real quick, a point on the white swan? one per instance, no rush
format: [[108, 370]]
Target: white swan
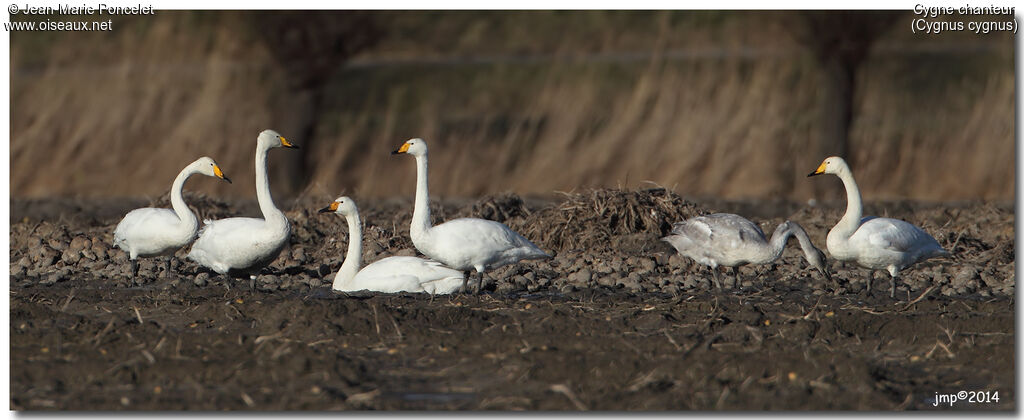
[[391, 274], [463, 244], [874, 242], [151, 232], [244, 245], [731, 241]]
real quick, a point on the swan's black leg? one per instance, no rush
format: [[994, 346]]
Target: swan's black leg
[[465, 281], [480, 283], [167, 268], [714, 272], [892, 286], [135, 268]]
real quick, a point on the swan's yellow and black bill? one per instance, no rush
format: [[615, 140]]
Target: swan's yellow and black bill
[[220, 174], [331, 208], [285, 143], [403, 149], [819, 171]]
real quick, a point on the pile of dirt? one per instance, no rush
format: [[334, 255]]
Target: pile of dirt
[[594, 220]]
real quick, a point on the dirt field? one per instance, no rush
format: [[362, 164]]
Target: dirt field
[[615, 321]]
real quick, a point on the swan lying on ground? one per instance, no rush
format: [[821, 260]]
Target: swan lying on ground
[[391, 274], [151, 232], [724, 239], [874, 242], [244, 245], [463, 244]]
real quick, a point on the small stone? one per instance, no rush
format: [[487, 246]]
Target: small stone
[[58, 245], [201, 279], [406, 252], [70, 257], [608, 281], [267, 283], [53, 278], [662, 259], [647, 264], [505, 287], [299, 254], [581, 278], [635, 277], [79, 243], [677, 260], [965, 274], [18, 270], [691, 282], [100, 248], [323, 270]]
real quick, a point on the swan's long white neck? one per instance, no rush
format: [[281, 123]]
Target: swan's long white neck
[[188, 219], [270, 212], [353, 257], [854, 208], [421, 208]]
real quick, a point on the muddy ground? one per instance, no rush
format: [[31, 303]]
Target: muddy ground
[[615, 321]]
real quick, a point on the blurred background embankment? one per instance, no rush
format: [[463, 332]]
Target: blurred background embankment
[[730, 104]]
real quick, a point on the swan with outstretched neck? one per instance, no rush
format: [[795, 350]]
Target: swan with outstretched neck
[[244, 245], [724, 239], [151, 232], [877, 243], [463, 244], [391, 274]]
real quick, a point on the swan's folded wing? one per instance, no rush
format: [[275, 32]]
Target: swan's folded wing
[[480, 234], [895, 235], [696, 230]]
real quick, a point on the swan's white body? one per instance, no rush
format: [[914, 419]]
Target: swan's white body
[[874, 242], [151, 232], [391, 274], [245, 244], [724, 239], [467, 243]]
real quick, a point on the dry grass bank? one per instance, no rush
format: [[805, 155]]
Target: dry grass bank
[[705, 103]]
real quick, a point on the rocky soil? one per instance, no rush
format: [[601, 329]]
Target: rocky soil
[[614, 321]]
